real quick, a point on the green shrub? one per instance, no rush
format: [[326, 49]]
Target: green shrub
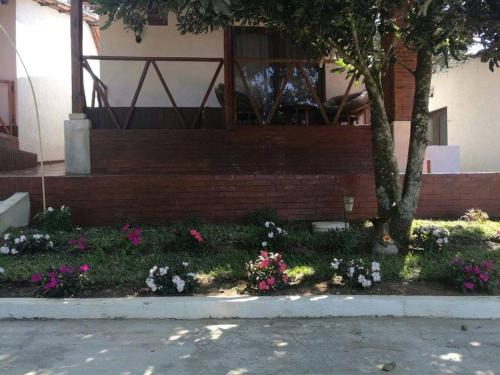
[[171, 280], [260, 216], [54, 220], [21, 243], [430, 237]]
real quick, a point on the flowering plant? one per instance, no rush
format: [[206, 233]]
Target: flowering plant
[[472, 276], [267, 272], [79, 244], [21, 243], [54, 220], [273, 237], [171, 280], [356, 272], [133, 235], [63, 281], [188, 238], [430, 237], [475, 214]]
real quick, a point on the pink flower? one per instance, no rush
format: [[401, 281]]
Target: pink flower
[[468, 268], [125, 228], [263, 263], [282, 267], [84, 267], [263, 286], [488, 265], [36, 278], [476, 270], [270, 281], [484, 277], [264, 254], [196, 235], [64, 269], [51, 284], [285, 278], [468, 285], [134, 236]]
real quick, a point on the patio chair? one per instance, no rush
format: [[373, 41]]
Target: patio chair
[[244, 111]]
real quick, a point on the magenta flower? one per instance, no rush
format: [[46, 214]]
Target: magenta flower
[[134, 237], [469, 285], [125, 228], [285, 278], [484, 277], [36, 278], [84, 267], [468, 268], [282, 267], [64, 269], [51, 284], [270, 281], [488, 265], [476, 270], [263, 286]]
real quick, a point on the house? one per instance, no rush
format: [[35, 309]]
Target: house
[[219, 124], [465, 111], [40, 30]]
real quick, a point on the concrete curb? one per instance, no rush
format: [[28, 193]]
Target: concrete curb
[[251, 307]]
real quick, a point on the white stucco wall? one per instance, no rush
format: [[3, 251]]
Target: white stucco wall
[[43, 39], [471, 94], [188, 81], [7, 55], [336, 83]]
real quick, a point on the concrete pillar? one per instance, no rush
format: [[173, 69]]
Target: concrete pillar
[[77, 144]]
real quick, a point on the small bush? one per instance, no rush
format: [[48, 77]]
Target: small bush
[[21, 243], [267, 273], [272, 237], [475, 214], [430, 238], [132, 235], [54, 220], [473, 276], [79, 244], [171, 280], [356, 273], [61, 282], [260, 216], [344, 241], [188, 238]]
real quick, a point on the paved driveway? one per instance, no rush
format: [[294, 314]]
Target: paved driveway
[[287, 346]]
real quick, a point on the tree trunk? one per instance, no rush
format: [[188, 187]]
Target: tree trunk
[[387, 182], [404, 212]]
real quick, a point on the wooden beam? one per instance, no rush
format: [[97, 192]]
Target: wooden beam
[[76, 25], [229, 103]]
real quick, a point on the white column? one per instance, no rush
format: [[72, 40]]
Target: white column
[[77, 144]]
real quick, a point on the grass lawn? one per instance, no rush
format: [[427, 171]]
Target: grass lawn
[[220, 262]]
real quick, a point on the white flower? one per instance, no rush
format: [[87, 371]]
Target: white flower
[[51, 244], [163, 270], [17, 240], [37, 236], [47, 236], [185, 264], [267, 224], [50, 209], [335, 264], [179, 283], [63, 208], [78, 228], [22, 238], [4, 250], [13, 251], [264, 244], [152, 271], [366, 283], [279, 230], [191, 274], [2, 270], [439, 241], [445, 240], [6, 236], [375, 266], [150, 282], [270, 235], [351, 272], [376, 276], [361, 279]]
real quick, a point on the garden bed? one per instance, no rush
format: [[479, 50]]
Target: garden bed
[[119, 268]]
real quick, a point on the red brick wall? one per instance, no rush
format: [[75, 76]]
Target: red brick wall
[[153, 199], [246, 150]]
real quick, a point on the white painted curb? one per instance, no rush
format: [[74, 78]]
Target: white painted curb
[[251, 307]]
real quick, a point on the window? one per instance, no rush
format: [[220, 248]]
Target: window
[[264, 77], [437, 129]]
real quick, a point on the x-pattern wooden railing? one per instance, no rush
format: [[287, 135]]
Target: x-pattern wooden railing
[[290, 65], [100, 91], [8, 126]]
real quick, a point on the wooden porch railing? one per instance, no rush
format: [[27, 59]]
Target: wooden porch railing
[[100, 91], [9, 126]]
